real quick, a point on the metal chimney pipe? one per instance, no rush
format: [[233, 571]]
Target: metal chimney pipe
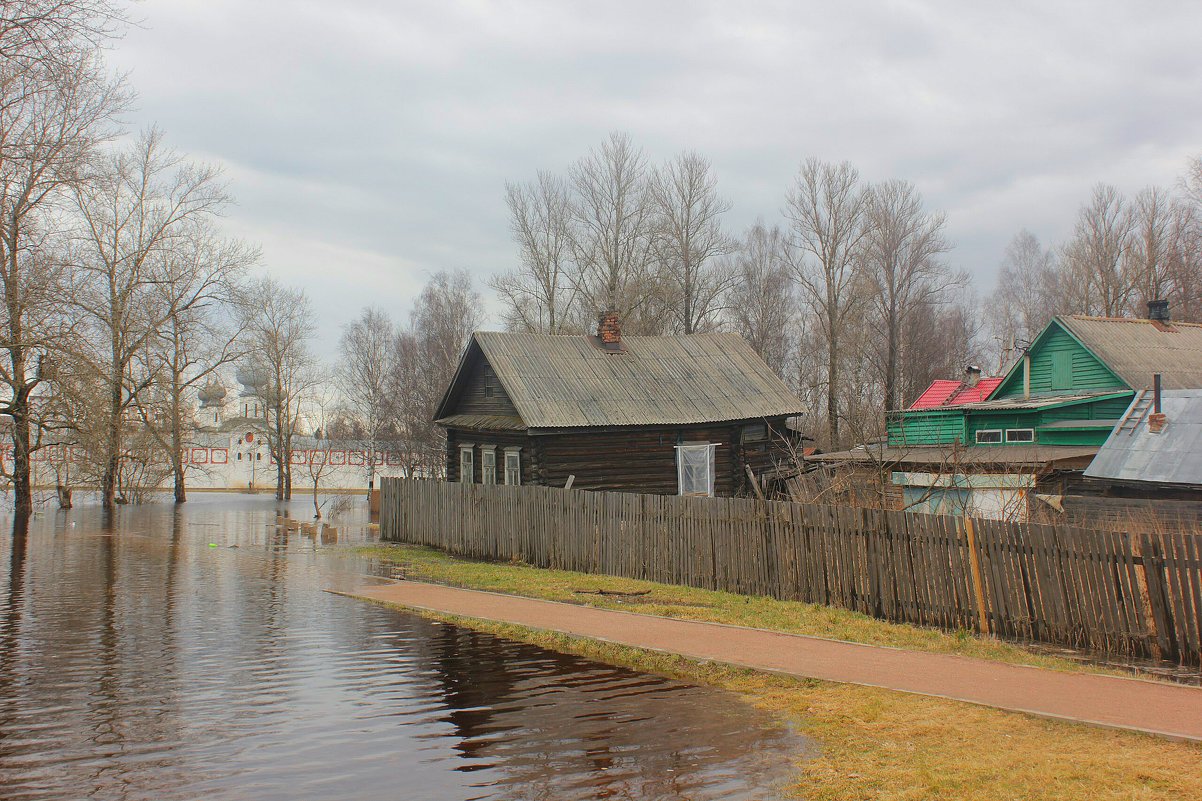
[[1156, 393]]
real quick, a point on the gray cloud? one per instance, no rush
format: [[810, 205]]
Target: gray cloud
[[368, 142]]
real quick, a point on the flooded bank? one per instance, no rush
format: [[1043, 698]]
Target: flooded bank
[[178, 655]]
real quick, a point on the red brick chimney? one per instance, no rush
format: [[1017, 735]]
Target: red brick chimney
[[608, 329]]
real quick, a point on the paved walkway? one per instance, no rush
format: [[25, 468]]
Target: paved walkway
[[1164, 709]]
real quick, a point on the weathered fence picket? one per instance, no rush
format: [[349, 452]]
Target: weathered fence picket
[[1129, 594]]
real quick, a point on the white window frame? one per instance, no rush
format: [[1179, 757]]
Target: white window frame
[[467, 464], [1001, 437], [683, 454], [513, 466], [488, 464], [1030, 431]]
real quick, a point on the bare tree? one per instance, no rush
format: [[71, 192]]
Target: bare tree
[[690, 242], [196, 341], [901, 254], [762, 305], [364, 375], [427, 355], [135, 273], [53, 114], [1026, 297], [1097, 281], [279, 325], [827, 207], [612, 244], [40, 32], [540, 296]]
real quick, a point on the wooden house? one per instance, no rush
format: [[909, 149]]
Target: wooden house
[[651, 414], [1036, 429]]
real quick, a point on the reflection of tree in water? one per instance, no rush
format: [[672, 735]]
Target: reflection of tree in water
[[558, 727]]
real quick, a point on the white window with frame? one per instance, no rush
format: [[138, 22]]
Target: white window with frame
[[1020, 435], [467, 474], [513, 466], [488, 464], [695, 469], [988, 436]]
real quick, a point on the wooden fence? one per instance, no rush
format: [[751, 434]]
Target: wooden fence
[[1136, 595]]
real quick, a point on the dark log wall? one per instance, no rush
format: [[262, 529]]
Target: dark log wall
[[639, 460], [632, 460], [475, 397], [499, 439]]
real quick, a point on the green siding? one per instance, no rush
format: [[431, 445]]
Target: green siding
[[1059, 363], [942, 427]]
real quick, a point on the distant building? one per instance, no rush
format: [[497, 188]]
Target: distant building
[[665, 415], [1037, 428]]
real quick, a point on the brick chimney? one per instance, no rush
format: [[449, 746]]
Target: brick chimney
[[972, 375], [1158, 311], [609, 331]]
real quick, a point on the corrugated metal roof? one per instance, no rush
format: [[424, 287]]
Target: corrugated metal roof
[[938, 393], [1034, 402], [946, 392], [1174, 456], [569, 381], [964, 458], [1135, 349]]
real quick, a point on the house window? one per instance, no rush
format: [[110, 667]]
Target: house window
[[755, 432], [239, 457], [488, 465], [1020, 435], [489, 382], [466, 473], [695, 469], [988, 436], [513, 466]]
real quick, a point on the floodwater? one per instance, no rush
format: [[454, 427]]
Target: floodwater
[[194, 654]]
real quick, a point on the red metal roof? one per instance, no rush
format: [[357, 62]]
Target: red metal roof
[[937, 394], [944, 392]]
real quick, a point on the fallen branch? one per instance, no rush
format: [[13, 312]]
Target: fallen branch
[[612, 592]]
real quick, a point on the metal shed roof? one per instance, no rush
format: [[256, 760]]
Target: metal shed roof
[[558, 381], [964, 458], [1174, 456], [1135, 349]]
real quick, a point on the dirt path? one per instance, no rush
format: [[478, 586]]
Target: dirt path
[[1163, 709]]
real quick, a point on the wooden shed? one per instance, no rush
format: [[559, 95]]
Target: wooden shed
[[663, 415]]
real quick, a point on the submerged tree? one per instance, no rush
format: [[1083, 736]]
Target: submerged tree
[[278, 327], [135, 273], [57, 105]]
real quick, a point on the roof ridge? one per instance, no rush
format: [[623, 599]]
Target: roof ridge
[[1099, 319]]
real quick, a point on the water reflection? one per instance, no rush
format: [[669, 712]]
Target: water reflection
[[191, 653]]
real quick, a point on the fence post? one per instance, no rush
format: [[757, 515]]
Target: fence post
[[978, 586], [1145, 597]]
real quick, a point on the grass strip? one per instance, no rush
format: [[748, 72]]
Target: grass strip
[[689, 603]]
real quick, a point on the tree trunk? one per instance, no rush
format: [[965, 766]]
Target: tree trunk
[[832, 388], [22, 484], [181, 492]]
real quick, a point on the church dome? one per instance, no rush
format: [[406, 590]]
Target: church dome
[[212, 393], [252, 377]]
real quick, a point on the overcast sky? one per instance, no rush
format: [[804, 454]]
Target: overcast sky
[[368, 142]]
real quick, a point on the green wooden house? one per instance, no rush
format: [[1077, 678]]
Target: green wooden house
[[1072, 386], [1040, 425]]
